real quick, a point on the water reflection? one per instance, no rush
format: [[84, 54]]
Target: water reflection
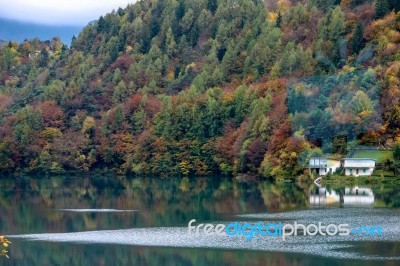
[[322, 197], [358, 196], [95, 210], [316, 245], [355, 196], [144, 206]]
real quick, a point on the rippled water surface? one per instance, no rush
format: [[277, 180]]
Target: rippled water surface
[[143, 221]]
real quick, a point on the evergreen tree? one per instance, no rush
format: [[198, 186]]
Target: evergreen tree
[[170, 43], [396, 153], [138, 121], [279, 20], [394, 5], [180, 11], [120, 12], [357, 2], [122, 41], [396, 157], [325, 4], [381, 8], [119, 118], [101, 24], [131, 14], [357, 42], [119, 92], [212, 5], [44, 58], [73, 40], [337, 24], [113, 50]]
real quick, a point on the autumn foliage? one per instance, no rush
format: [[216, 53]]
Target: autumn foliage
[[191, 87]]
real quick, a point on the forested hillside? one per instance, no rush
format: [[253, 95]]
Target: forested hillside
[[199, 87]]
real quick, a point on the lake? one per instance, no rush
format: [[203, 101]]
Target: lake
[[109, 220]]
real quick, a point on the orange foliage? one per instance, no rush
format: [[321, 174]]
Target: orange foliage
[[384, 27], [52, 115], [230, 144], [279, 110], [133, 103], [5, 101], [122, 143], [123, 62]]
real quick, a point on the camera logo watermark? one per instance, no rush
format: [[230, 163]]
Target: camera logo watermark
[[280, 229]]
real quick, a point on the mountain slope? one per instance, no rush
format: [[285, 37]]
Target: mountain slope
[[200, 87]]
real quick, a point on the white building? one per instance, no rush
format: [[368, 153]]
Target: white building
[[358, 167], [323, 166]]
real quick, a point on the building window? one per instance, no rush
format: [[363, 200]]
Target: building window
[[365, 171]]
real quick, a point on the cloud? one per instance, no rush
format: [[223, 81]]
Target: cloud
[[59, 12]]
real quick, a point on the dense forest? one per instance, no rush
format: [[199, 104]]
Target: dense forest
[[201, 87]]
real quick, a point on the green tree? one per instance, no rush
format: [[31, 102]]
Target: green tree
[[7, 162], [120, 92], [113, 48], [187, 21], [264, 53], [119, 118], [170, 43], [396, 157], [357, 42], [101, 24], [381, 8], [73, 40], [337, 24], [325, 4], [357, 2], [212, 5], [120, 11], [43, 58], [330, 37], [394, 5], [278, 22], [139, 121]]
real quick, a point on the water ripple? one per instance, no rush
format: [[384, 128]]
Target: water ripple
[[327, 246], [95, 210]]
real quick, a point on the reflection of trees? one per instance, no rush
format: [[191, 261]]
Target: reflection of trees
[[29, 205], [388, 195], [54, 254], [26, 206], [4, 243], [280, 196]]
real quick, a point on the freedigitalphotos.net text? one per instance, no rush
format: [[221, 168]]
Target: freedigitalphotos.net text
[[280, 229]]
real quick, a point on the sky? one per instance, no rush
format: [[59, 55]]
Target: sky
[[58, 12], [11, 30]]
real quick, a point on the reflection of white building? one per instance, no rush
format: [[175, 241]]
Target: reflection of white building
[[324, 197], [358, 167], [323, 166], [358, 196]]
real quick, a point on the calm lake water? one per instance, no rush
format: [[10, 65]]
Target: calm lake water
[[143, 221]]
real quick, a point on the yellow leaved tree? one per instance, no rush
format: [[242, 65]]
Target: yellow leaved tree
[[5, 243]]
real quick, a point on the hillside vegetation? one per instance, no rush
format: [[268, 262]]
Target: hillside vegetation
[[199, 87]]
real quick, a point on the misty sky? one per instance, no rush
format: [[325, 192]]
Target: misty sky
[[58, 12]]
